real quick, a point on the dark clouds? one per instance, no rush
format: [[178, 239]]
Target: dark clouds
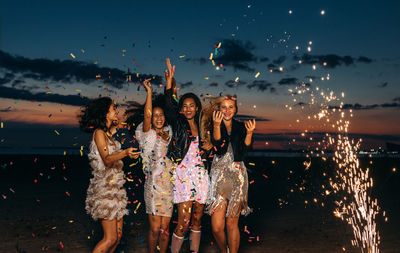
[[237, 54], [234, 53], [232, 83], [331, 60], [357, 106], [288, 81], [245, 117], [8, 109], [187, 84], [12, 93], [66, 71], [261, 85], [383, 85], [279, 60]]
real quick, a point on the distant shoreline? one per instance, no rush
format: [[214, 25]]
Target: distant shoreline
[[254, 153]]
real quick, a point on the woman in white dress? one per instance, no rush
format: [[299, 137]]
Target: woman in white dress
[[154, 137]]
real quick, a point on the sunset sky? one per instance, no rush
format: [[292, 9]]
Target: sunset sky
[[55, 55]]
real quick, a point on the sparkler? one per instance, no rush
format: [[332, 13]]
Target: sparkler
[[350, 183]]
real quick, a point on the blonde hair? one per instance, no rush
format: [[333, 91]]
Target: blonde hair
[[207, 114]]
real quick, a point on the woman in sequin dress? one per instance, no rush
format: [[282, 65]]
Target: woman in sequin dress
[[154, 137], [190, 177], [106, 198], [228, 189]]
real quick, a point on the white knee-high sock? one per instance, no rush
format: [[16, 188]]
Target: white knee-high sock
[[176, 243], [194, 238]]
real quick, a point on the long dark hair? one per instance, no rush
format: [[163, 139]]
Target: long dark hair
[[196, 101], [93, 115]]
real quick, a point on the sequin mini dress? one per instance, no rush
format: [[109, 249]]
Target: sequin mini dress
[[158, 171], [229, 185], [190, 177]]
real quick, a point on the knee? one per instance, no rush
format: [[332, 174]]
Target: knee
[[231, 225], [155, 230], [165, 229], [218, 228], [111, 241], [196, 220]]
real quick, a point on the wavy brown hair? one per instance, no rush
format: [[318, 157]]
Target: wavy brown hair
[[207, 114]]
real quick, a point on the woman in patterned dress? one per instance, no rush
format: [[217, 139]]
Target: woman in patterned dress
[[106, 198], [190, 177], [154, 136]]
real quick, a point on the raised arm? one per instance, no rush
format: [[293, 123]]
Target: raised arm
[[169, 74], [250, 126], [148, 108], [102, 147], [170, 96], [217, 119]]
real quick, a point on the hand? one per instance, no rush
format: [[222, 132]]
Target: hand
[[147, 86], [134, 155], [131, 152], [217, 118], [250, 125], [207, 145], [169, 74]]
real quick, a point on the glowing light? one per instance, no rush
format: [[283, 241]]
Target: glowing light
[[351, 185], [322, 12]]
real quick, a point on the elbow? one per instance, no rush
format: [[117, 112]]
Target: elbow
[[108, 162]]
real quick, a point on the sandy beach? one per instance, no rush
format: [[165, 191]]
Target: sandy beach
[[42, 208]]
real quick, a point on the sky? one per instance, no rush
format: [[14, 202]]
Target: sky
[[56, 55]]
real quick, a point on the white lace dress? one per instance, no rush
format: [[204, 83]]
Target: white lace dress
[[106, 198], [157, 169]]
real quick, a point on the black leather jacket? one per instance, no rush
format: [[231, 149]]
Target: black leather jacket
[[237, 137], [181, 134]]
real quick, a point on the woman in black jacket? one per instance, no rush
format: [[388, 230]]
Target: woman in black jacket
[[228, 190], [190, 177]]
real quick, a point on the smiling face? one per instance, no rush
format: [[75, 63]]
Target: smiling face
[[189, 108], [228, 109], [158, 118]]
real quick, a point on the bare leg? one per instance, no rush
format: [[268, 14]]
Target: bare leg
[[154, 232], [233, 231], [120, 224], [110, 236], [195, 233], [164, 234], [184, 214], [218, 226]]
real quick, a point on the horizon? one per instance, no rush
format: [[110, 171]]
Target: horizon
[[256, 50]]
